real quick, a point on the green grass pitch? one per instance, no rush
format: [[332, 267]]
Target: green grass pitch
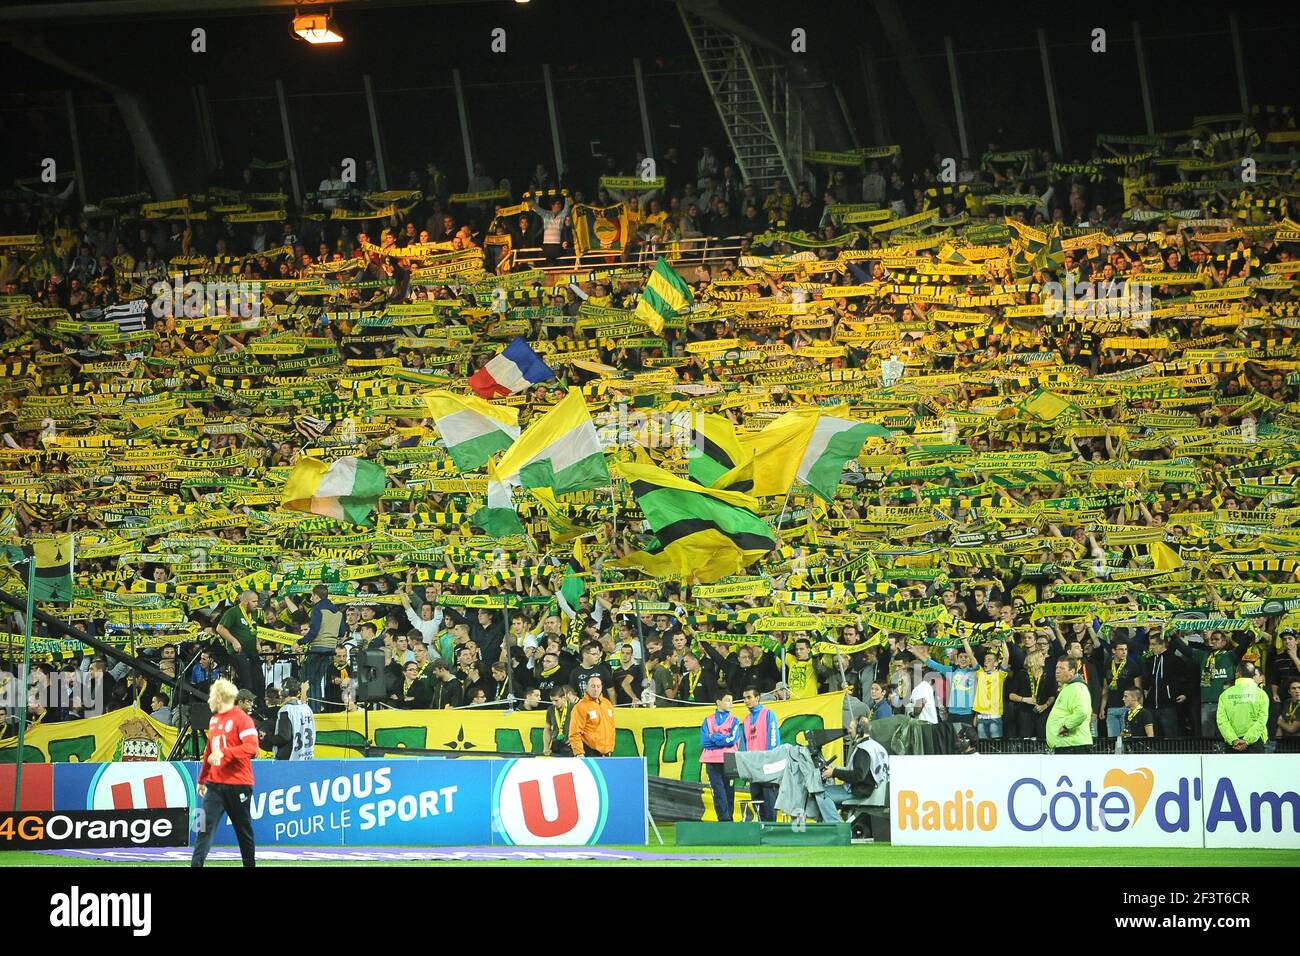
[[860, 855]]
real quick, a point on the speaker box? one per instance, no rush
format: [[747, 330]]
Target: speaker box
[[371, 685], [199, 716]]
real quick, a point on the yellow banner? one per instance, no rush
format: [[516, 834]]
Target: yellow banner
[[630, 182], [802, 622], [867, 215], [877, 152], [668, 737], [127, 732], [734, 589], [930, 215], [489, 195], [278, 637], [827, 158]]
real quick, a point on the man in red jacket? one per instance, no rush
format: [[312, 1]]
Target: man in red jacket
[[226, 777]]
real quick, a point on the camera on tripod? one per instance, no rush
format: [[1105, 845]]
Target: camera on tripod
[[817, 739]]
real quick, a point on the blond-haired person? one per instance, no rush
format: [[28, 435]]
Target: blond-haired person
[[226, 774]]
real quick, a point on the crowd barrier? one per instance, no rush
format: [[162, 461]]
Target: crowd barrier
[[1156, 800], [431, 801]]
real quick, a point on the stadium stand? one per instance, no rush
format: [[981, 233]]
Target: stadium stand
[[854, 436]]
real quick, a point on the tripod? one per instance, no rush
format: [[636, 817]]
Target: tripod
[[185, 727]]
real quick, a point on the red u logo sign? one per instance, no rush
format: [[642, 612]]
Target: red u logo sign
[[566, 806]]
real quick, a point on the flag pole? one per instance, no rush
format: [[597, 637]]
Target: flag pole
[[784, 505], [27, 667], [613, 504]]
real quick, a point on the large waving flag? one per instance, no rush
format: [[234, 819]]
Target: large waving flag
[[701, 532], [472, 429], [716, 457], [778, 451], [834, 441], [515, 369], [346, 488], [665, 294], [560, 451]]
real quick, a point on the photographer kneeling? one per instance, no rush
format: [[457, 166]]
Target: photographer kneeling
[[868, 767]]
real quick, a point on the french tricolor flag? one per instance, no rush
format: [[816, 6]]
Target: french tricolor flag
[[512, 371]]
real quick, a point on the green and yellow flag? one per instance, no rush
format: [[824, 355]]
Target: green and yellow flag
[[665, 295], [716, 454], [601, 228], [1046, 406], [563, 529], [700, 532], [53, 579]]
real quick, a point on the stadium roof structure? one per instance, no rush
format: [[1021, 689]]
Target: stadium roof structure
[[101, 10]]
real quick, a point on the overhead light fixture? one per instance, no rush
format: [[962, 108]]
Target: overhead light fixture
[[316, 28]]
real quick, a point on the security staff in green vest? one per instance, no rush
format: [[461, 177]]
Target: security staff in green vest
[[1243, 713], [1069, 727]]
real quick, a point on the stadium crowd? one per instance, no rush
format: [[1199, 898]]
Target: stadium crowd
[[1081, 378]]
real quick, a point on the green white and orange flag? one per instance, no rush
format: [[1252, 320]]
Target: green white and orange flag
[[498, 518], [346, 488], [560, 451], [472, 429], [834, 441]]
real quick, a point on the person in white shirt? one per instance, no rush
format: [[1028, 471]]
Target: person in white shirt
[[626, 636], [275, 670], [295, 725], [350, 634], [873, 185], [708, 192], [521, 634], [706, 167], [552, 227], [428, 622], [332, 184], [920, 703]]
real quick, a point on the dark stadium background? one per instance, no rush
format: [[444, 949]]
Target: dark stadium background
[[410, 50]]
